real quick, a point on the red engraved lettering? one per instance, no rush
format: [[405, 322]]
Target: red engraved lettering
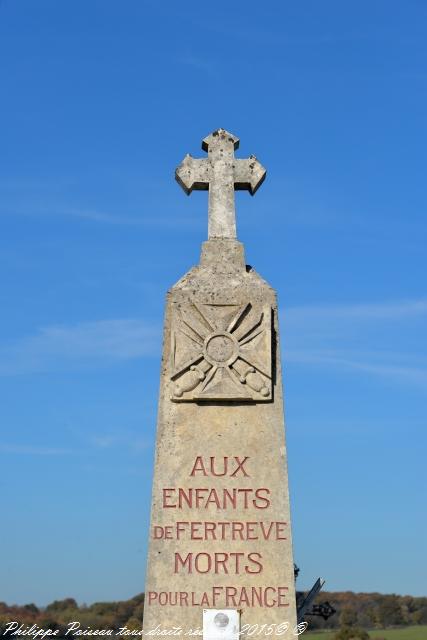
[[239, 467], [181, 528], [186, 564], [199, 560], [221, 560], [244, 598], [167, 496], [237, 557], [216, 592], [280, 530], [184, 496], [266, 532], [260, 501], [224, 469], [199, 496], [198, 466], [282, 594], [245, 493], [230, 597], [232, 497], [213, 499], [254, 559], [237, 528], [194, 529], [269, 603]]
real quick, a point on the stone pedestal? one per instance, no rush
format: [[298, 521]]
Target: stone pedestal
[[220, 535]]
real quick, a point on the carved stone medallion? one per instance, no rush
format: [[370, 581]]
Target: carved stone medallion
[[221, 352]]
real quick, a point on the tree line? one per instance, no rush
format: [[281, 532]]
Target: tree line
[[370, 610], [361, 610]]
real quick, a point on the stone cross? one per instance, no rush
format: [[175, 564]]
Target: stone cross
[[222, 174], [220, 550]]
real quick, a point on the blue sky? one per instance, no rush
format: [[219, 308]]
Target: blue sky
[[100, 101]]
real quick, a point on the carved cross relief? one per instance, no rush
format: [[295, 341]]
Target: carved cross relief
[[221, 352]]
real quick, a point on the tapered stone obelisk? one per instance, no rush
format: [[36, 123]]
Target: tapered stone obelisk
[[220, 534]]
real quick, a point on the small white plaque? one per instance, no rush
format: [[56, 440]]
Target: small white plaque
[[221, 624]]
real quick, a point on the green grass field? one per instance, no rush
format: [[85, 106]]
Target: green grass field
[[406, 633]]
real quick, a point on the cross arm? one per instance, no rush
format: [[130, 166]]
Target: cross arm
[[249, 174], [193, 174]]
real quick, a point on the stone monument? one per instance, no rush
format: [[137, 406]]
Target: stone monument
[[220, 534]]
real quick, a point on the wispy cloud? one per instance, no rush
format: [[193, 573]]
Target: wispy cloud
[[280, 38], [121, 439], [105, 441], [371, 338], [378, 364], [141, 220], [197, 62], [374, 338], [97, 216], [364, 312], [104, 217], [87, 343], [277, 37], [21, 449]]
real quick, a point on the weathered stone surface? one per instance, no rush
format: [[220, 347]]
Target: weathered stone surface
[[220, 534], [221, 351], [222, 174]]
